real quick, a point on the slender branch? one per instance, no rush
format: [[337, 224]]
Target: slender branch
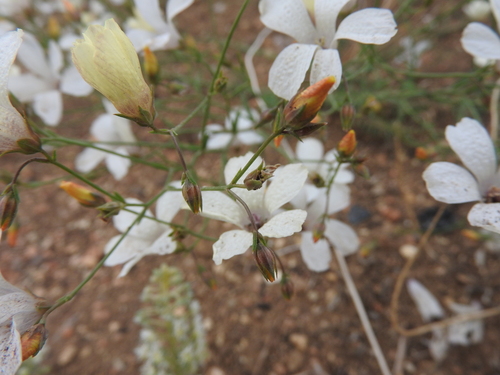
[[245, 206], [495, 96], [33, 160]]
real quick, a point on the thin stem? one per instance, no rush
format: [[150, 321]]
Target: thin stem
[[37, 160], [495, 96], [191, 115], [247, 209], [179, 151], [363, 316]]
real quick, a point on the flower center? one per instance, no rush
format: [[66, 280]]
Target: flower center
[[493, 195], [259, 222]]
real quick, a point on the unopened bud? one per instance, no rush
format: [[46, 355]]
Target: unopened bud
[[278, 139], [8, 207], [220, 83], [266, 260], [361, 170], [347, 144], [347, 113], [191, 193], [32, 340], [151, 67], [308, 129], [421, 153], [254, 180], [304, 106], [109, 209], [53, 27], [83, 195], [287, 288], [30, 145], [318, 232], [12, 233], [372, 104]]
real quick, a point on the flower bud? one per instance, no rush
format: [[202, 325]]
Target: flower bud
[[32, 340], [287, 288], [151, 66], [304, 106], [372, 104], [347, 144], [421, 153], [12, 233], [277, 140], [83, 195], [220, 83], [8, 207], [254, 180], [318, 232], [191, 193], [266, 260], [308, 129], [347, 113], [53, 27], [107, 60], [109, 209]]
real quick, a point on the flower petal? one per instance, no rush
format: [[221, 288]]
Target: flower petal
[[495, 7], [339, 199], [129, 248], [234, 165], [49, 106], [249, 137], [285, 185], [486, 215], [342, 236], [117, 165], [465, 333], [26, 86], [481, 41], [174, 7], [310, 152], [10, 347], [316, 255], [32, 56], [288, 17], [163, 245], [73, 84], [88, 159], [170, 203], [151, 13], [326, 13], [289, 69], [284, 224], [471, 142], [450, 183], [428, 306], [231, 243], [368, 26], [146, 229], [218, 141], [218, 206], [326, 63]]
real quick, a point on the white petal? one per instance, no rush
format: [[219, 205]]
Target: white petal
[[166, 40], [495, 7], [147, 228], [103, 129], [471, 142], [486, 215], [10, 348], [218, 206], [231, 243], [128, 266], [339, 199], [129, 248], [169, 204], [49, 106], [72, 83], [32, 56], [310, 152], [428, 306], [10, 43], [218, 141], [241, 118], [284, 224], [317, 255], [117, 165], [342, 236], [249, 137], [285, 185], [26, 86], [326, 13], [151, 12], [163, 245], [438, 345], [140, 38], [368, 26], [88, 159], [288, 17], [174, 7], [326, 63], [235, 164], [289, 69], [481, 41], [55, 58], [66, 40], [450, 183], [466, 333]]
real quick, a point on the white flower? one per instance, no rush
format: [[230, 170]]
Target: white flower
[[412, 51], [10, 347], [317, 43], [148, 236], [237, 129], [477, 9], [480, 40], [263, 203], [44, 84], [450, 183], [108, 128], [317, 255], [150, 29]]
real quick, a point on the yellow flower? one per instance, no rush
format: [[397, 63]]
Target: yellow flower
[[15, 134], [107, 60]]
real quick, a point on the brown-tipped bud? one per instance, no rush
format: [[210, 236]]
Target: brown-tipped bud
[[347, 144], [372, 104], [254, 180], [53, 27], [361, 170], [287, 288], [12, 234], [220, 83], [278, 139], [304, 106], [32, 340], [318, 232], [308, 129], [8, 207], [109, 209], [151, 67], [192, 194], [347, 113], [266, 260], [421, 153], [83, 195]]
